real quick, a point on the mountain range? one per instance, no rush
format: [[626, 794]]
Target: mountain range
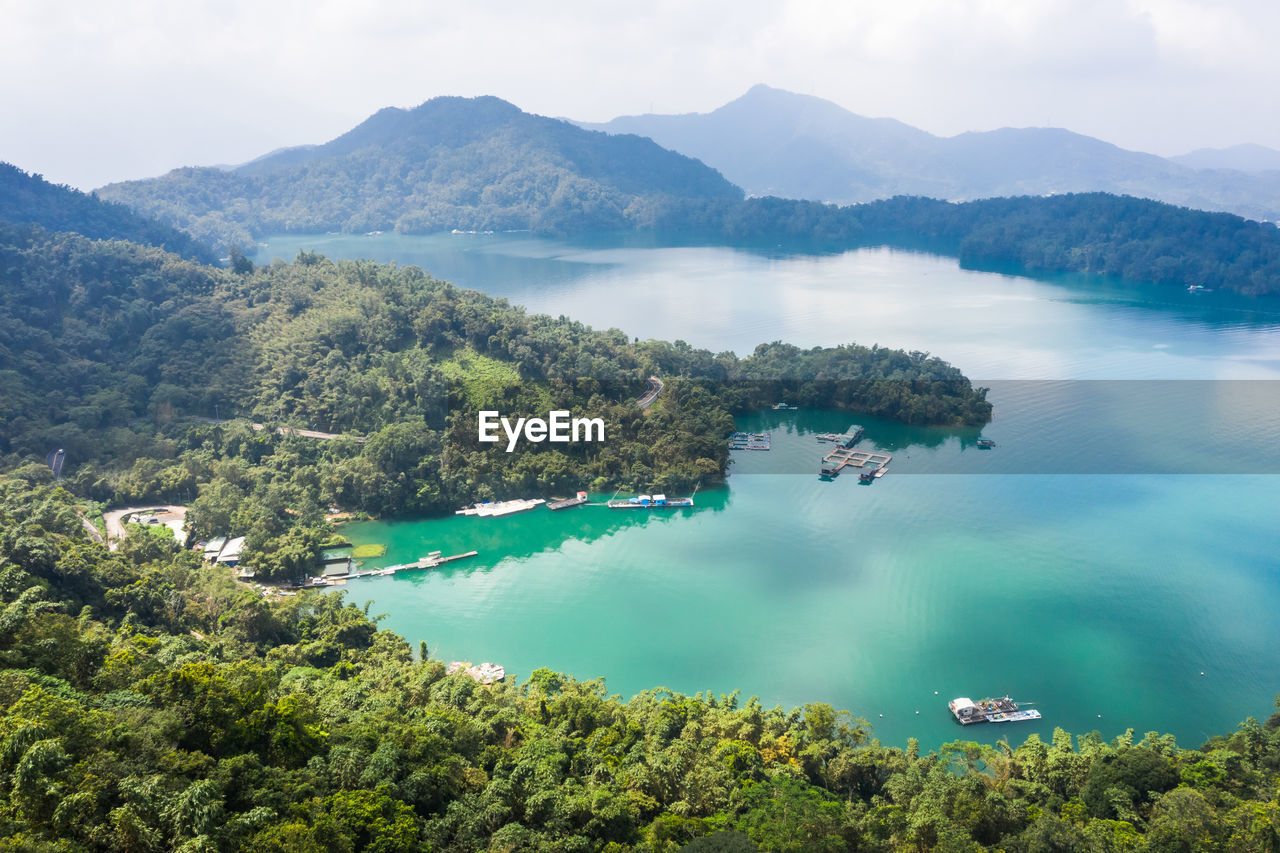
[[774, 142], [483, 164], [465, 163]]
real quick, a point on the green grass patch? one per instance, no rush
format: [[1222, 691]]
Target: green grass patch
[[483, 380], [363, 551]]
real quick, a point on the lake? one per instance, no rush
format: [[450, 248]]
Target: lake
[[1119, 541]]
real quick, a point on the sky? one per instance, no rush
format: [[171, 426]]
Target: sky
[[95, 91]]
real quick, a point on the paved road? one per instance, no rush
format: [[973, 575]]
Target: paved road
[[93, 532], [173, 517], [287, 430], [655, 388]]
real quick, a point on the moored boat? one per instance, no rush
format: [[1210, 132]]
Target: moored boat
[[577, 500], [997, 710], [497, 509]]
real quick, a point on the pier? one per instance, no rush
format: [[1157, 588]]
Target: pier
[[432, 561], [845, 439]]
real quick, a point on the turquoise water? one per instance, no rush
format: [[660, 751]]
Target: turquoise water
[[1119, 541]]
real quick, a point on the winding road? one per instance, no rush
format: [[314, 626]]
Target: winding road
[[655, 388], [288, 430], [172, 516]]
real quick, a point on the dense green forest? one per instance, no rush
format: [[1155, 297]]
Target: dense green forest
[[468, 163], [1128, 238], [148, 702], [122, 354], [26, 198], [1118, 236]]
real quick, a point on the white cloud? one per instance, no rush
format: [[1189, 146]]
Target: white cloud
[[98, 91]]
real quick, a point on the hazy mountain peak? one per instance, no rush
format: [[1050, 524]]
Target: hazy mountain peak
[[1246, 157], [773, 142], [450, 162]]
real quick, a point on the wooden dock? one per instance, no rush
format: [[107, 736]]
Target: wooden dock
[[845, 439], [434, 560]]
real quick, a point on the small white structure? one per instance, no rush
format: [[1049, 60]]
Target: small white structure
[[484, 673]]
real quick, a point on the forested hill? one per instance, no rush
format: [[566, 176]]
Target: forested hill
[[482, 164], [27, 198], [113, 351], [148, 702], [467, 163], [1135, 239]]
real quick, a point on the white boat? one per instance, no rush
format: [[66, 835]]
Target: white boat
[[497, 509], [998, 710], [1014, 716]]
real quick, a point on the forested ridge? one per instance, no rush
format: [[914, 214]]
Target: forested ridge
[[467, 163], [121, 354], [1137, 240], [482, 164], [30, 199], [148, 702]]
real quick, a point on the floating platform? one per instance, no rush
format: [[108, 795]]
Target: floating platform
[[998, 710], [497, 509], [750, 441], [433, 560], [845, 439], [842, 457], [651, 502], [566, 503]]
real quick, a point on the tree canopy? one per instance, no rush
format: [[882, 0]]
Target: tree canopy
[[148, 702]]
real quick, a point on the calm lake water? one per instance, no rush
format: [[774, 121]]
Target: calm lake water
[[1119, 541]]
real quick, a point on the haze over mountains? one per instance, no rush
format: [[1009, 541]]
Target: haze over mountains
[[773, 142], [1245, 158], [468, 163]]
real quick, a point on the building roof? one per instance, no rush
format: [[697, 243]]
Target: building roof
[[336, 569], [214, 547], [231, 551]]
